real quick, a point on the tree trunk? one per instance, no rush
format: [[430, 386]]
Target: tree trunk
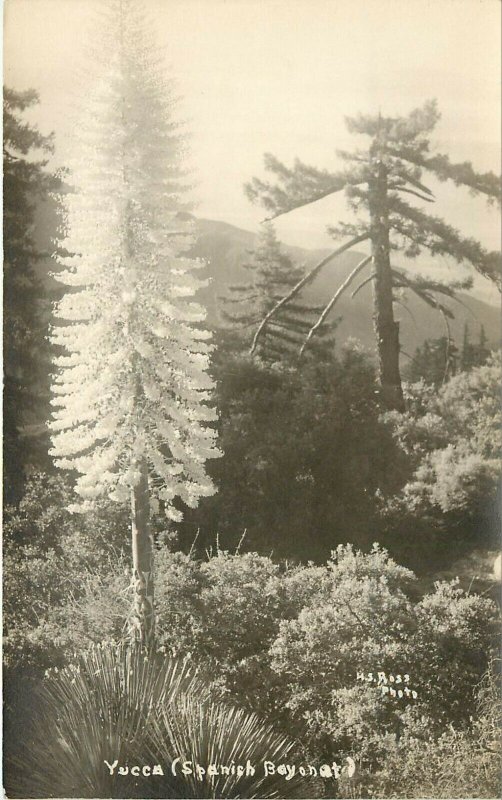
[[142, 623], [386, 328]]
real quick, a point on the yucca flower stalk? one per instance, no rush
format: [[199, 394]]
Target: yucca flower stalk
[[131, 387]]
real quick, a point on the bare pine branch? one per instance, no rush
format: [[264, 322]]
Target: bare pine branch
[[303, 282], [362, 285], [333, 300]]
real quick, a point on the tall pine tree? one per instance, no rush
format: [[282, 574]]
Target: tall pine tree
[[26, 181], [474, 354], [131, 388], [272, 274], [374, 183]]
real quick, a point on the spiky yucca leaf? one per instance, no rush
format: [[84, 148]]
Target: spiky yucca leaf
[[118, 703], [99, 708], [211, 733]]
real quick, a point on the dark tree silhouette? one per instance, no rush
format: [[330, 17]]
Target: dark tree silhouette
[[272, 273], [25, 351]]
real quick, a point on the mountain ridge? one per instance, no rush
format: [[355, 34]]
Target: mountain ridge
[[226, 248]]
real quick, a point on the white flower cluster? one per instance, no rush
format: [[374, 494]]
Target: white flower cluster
[[132, 382]]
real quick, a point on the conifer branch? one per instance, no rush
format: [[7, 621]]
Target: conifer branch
[[362, 285], [361, 156], [430, 284], [411, 191], [343, 229], [405, 174], [457, 299], [304, 202], [398, 129], [303, 282], [486, 183], [241, 326], [333, 300], [297, 187], [423, 290], [440, 238], [284, 334]]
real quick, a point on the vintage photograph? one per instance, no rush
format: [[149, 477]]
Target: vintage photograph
[[251, 404]]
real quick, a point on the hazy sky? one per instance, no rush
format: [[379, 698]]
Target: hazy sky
[[280, 75]]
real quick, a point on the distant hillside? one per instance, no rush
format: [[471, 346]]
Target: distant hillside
[[226, 248]]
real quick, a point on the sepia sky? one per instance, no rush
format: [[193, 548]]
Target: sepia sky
[[280, 76]]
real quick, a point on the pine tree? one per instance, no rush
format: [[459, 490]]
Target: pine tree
[[474, 355], [131, 389], [374, 183], [272, 274], [25, 180], [435, 361]]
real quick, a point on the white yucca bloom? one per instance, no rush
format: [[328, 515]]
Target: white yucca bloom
[[131, 384]]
